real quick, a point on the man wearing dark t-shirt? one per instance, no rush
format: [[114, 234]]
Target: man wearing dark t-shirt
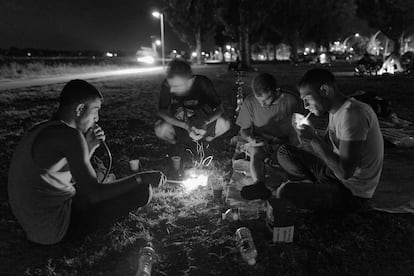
[[189, 107]]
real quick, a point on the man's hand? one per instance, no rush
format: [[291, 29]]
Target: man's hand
[[306, 133], [94, 136], [256, 141], [196, 134]]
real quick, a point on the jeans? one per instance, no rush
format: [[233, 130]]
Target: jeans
[[87, 220], [314, 186]]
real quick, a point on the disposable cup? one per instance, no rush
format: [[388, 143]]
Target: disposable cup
[[134, 165], [176, 162]]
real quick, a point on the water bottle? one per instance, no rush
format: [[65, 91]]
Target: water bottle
[[246, 245], [231, 214], [241, 213], [145, 261]]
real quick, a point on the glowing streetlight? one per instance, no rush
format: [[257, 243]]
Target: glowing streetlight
[[159, 15], [158, 42], [228, 47]]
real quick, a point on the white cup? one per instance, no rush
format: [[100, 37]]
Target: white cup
[[134, 165], [176, 162]]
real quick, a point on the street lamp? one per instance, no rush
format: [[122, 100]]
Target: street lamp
[[159, 15]]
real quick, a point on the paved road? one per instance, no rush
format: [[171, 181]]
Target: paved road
[[13, 84]]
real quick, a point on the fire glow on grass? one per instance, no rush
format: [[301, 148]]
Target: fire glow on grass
[[197, 176], [194, 180]]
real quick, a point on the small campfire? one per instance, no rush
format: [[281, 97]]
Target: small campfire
[[197, 175], [195, 178]]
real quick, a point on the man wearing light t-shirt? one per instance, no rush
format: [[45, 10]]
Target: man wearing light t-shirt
[[342, 171]]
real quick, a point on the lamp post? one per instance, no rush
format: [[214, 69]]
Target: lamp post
[[159, 15]]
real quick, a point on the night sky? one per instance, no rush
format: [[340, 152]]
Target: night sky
[[81, 25]]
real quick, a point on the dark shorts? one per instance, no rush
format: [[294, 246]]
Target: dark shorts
[[90, 218], [323, 190]]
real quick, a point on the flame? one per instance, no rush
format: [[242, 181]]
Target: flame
[[300, 120], [195, 180]]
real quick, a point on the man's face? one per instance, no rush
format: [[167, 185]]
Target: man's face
[[179, 85], [265, 100], [313, 100], [89, 115]]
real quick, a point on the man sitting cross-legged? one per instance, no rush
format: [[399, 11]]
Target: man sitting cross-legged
[[342, 171], [265, 121], [189, 107], [52, 186]]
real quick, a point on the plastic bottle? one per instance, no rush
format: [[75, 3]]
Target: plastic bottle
[[246, 245], [240, 213], [231, 214], [146, 259]]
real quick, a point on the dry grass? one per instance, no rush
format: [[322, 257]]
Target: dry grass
[[35, 69], [186, 229]]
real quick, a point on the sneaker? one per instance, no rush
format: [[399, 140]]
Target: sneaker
[[154, 178], [257, 190]]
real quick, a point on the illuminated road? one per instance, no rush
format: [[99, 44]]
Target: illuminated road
[[13, 84]]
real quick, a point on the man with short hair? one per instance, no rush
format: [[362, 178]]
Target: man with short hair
[[265, 122], [53, 189], [342, 171], [189, 107]]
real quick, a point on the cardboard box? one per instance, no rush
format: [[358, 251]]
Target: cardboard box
[[282, 228]]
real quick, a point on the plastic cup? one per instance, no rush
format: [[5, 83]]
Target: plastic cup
[[134, 165], [176, 162]]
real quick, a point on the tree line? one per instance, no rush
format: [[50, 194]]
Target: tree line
[[289, 21]]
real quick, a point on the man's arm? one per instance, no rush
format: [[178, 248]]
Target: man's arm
[[164, 105], [163, 113], [344, 164], [75, 149]]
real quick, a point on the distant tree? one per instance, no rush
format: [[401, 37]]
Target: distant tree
[[297, 20], [241, 19], [392, 17], [191, 20], [336, 16], [267, 39]]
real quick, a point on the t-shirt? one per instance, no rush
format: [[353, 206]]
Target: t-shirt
[[356, 121], [40, 199], [201, 97], [274, 120]]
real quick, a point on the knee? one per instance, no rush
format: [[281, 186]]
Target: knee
[[222, 125], [285, 190], [164, 130]]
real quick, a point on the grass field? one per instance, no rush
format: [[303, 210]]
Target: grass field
[[186, 229], [29, 68]]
